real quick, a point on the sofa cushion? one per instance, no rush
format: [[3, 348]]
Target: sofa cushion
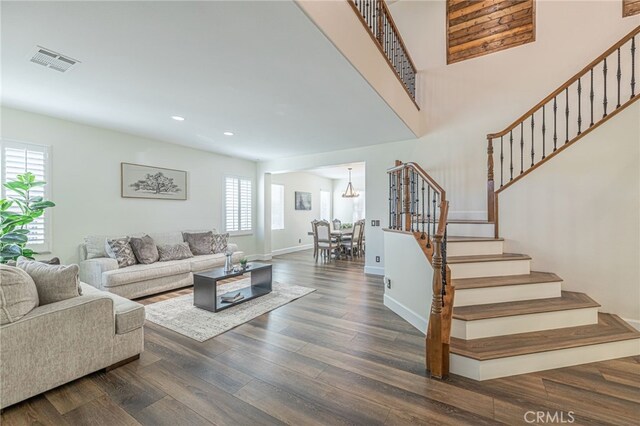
[[174, 252], [200, 242], [220, 242], [208, 261], [142, 272], [18, 294], [144, 249], [53, 282], [129, 314], [120, 250]]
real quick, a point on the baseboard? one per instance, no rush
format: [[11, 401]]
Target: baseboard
[[633, 323], [374, 270], [294, 249], [405, 313]]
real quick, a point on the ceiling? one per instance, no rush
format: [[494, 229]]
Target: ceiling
[[340, 171], [261, 70]]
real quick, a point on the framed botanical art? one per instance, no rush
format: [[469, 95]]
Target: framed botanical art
[[303, 200], [140, 181]]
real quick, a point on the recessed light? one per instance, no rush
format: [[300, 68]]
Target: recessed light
[[228, 133], [177, 118]]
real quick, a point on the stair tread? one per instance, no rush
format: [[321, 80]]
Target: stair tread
[[463, 239], [487, 258], [610, 328], [473, 221], [568, 301], [532, 278]]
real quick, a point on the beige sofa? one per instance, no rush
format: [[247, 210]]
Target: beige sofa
[[142, 280], [63, 341]]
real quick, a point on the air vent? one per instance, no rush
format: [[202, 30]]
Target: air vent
[[50, 59]]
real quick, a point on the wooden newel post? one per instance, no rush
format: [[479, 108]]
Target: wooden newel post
[[491, 212], [436, 362]]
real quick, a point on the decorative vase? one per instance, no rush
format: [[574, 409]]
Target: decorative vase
[[228, 264]]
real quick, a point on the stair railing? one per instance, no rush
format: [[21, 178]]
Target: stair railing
[[376, 17], [418, 204], [588, 99]]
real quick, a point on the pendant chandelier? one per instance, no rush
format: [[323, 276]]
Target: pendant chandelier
[[350, 192]]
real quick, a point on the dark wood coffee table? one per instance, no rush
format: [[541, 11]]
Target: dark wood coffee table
[[205, 286]]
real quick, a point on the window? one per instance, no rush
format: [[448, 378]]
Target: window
[[277, 206], [18, 158], [325, 205], [238, 208]]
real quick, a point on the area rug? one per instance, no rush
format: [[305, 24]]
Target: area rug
[[179, 314]]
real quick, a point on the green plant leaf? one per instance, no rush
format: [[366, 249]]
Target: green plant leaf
[[35, 199], [28, 253], [5, 205], [38, 183], [41, 205], [17, 186], [14, 238], [21, 231], [11, 251]]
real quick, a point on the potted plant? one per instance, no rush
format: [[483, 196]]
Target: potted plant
[[243, 262], [16, 213]]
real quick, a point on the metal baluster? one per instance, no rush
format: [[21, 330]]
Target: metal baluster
[[532, 139], [390, 192], [428, 216], [435, 196], [443, 253], [579, 105], [501, 160], [400, 198], [412, 197], [544, 129], [633, 66], [422, 215], [555, 132], [591, 98], [566, 115], [604, 73], [618, 76], [521, 147], [511, 152]]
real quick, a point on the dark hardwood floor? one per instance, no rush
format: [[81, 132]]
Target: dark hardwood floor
[[336, 356]]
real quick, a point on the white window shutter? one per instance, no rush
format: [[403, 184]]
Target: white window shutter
[[238, 205], [19, 158]]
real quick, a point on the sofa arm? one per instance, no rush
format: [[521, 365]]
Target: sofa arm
[[233, 247], [91, 270], [54, 344]]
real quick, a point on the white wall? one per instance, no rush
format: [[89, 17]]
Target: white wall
[[411, 276], [579, 215], [297, 223], [85, 181], [345, 209]]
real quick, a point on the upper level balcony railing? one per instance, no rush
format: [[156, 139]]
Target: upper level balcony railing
[[375, 16]]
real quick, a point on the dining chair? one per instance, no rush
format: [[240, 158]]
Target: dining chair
[[361, 244], [337, 224], [315, 238], [326, 244], [353, 243]]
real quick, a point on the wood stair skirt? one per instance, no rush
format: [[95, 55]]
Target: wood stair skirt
[[509, 320]]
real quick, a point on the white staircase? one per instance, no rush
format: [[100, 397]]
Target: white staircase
[[509, 320]]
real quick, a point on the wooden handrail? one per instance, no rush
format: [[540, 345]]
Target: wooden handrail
[[413, 209], [568, 83], [614, 74], [376, 17]]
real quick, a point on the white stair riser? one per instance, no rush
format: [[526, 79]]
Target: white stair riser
[[471, 229], [490, 269], [507, 293], [515, 324], [475, 248], [521, 364]]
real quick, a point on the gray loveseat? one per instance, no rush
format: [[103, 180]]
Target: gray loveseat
[[142, 280], [63, 341]]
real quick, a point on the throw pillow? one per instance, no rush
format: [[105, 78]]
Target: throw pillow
[[95, 246], [53, 282], [174, 252], [144, 249], [120, 250], [220, 242], [18, 294], [200, 243]]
